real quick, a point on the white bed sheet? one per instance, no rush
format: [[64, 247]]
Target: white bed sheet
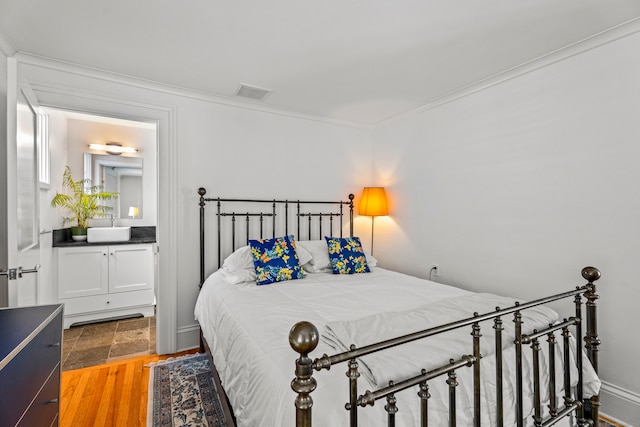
[[247, 328]]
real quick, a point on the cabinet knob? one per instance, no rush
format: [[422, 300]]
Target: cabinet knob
[[57, 344], [108, 302], [53, 401]]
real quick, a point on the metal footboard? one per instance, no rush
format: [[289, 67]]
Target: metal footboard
[[304, 338]]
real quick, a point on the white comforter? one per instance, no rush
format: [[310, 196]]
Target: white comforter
[[247, 328]]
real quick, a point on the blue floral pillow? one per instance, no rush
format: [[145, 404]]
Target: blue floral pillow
[[275, 260], [346, 255]]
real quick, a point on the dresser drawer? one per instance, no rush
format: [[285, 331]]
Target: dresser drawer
[[97, 303], [24, 376], [45, 407]]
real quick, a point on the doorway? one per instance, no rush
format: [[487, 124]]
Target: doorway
[[117, 102], [85, 143]]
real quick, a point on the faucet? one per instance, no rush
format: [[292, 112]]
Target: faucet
[[113, 220]]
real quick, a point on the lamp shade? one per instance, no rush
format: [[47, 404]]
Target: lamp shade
[[373, 202]]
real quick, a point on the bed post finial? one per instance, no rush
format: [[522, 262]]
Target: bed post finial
[[303, 338], [591, 274], [592, 342]]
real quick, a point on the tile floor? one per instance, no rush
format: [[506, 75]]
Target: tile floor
[[106, 342]]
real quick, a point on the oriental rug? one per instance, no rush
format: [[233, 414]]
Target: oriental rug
[[182, 392]]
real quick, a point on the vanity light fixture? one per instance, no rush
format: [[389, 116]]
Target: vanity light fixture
[[373, 203], [113, 148]]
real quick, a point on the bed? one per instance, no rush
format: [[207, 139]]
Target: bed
[[415, 352]]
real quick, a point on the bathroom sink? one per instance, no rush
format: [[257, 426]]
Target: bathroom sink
[[108, 234]]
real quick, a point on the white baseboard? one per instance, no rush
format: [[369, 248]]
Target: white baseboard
[[188, 337], [620, 405]]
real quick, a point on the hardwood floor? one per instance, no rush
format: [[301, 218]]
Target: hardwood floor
[[112, 394], [116, 394]]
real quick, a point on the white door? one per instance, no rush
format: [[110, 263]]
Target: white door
[[22, 194]]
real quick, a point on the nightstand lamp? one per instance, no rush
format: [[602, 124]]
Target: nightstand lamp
[[373, 203], [133, 212]]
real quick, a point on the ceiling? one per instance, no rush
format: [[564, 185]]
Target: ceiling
[[357, 61]]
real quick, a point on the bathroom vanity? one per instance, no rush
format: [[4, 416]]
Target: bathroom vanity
[[107, 280]]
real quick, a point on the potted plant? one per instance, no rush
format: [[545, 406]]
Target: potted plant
[[83, 200]]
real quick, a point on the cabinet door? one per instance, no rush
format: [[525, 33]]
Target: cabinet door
[[130, 268], [83, 271]]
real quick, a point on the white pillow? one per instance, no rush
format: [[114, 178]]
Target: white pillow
[[371, 261], [238, 276], [239, 259], [238, 267], [319, 252], [309, 268]]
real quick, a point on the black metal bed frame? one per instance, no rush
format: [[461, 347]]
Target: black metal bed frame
[[278, 208], [304, 336]]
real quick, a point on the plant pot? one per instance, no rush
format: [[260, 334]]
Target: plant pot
[[79, 234]]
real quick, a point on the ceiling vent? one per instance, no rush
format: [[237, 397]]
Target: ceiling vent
[[253, 92]]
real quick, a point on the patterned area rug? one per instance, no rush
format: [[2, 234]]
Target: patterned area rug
[[182, 393]]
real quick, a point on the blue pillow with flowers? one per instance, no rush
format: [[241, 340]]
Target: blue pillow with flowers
[[346, 255], [275, 260]]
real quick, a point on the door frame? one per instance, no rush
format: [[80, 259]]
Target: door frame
[[4, 249], [166, 228]]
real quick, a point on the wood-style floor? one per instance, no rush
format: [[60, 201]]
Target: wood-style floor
[[112, 394], [116, 394]]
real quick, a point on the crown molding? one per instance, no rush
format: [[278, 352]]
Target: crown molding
[[608, 36], [6, 45], [592, 42], [108, 76]]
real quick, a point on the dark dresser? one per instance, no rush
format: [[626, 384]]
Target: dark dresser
[[30, 353]]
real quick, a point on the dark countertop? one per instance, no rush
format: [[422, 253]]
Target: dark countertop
[[62, 238]]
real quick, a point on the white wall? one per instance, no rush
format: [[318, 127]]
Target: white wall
[[236, 152], [515, 188], [230, 150]]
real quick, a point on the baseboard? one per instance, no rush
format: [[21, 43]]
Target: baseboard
[[620, 404], [610, 420], [188, 337]]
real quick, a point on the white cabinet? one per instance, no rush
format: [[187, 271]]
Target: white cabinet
[[101, 282]]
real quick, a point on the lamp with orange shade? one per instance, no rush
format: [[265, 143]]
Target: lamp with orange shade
[[373, 203]]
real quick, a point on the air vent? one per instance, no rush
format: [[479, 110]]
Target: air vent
[[253, 92]]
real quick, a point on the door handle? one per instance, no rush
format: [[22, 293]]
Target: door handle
[[11, 273], [31, 270], [16, 273]]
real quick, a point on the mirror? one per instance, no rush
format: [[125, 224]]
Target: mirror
[[119, 174]]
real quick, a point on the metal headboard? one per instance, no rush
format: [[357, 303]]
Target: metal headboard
[[263, 218]]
